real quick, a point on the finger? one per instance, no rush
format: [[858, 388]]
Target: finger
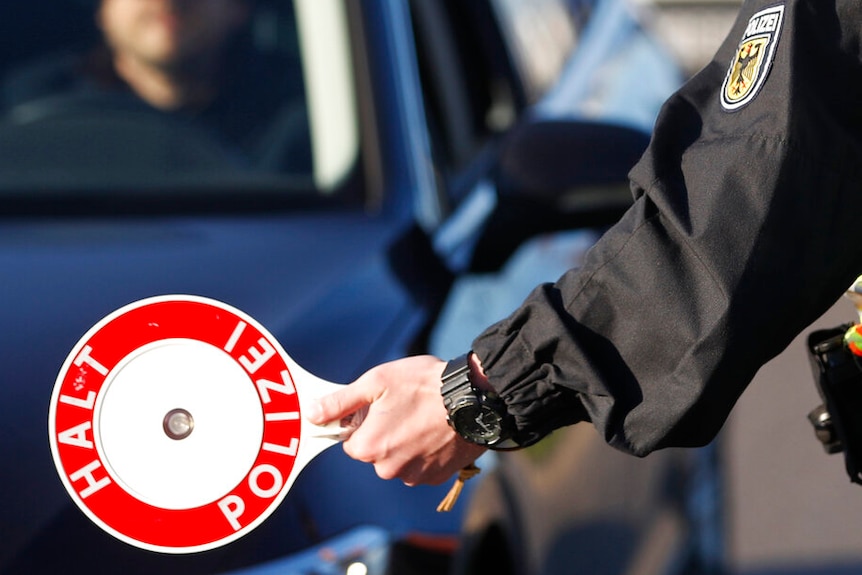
[[337, 405]]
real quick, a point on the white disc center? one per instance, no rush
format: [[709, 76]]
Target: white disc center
[[179, 423]]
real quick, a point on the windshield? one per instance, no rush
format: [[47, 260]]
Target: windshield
[[122, 97]]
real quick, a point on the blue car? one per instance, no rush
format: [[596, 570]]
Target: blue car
[[372, 165]]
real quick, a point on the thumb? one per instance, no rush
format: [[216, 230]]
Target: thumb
[[337, 405]]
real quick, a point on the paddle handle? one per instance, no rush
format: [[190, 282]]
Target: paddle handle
[[342, 429]]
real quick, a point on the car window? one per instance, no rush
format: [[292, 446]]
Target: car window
[[469, 88], [482, 62], [541, 35], [276, 111]]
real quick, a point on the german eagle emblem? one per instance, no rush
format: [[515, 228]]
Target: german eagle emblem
[[750, 65]]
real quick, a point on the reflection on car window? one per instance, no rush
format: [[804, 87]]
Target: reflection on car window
[[542, 35], [156, 92]]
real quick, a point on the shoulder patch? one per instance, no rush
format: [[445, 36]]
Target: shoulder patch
[[753, 58]]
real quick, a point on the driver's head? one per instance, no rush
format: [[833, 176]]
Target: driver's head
[[170, 34]]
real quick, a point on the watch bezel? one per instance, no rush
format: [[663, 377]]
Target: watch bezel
[[467, 416]]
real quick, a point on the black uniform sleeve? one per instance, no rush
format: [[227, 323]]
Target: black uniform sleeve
[[743, 231]]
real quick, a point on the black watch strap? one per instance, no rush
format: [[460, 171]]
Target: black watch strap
[[455, 379]]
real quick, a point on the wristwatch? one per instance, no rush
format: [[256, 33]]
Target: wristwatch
[[478, 416]]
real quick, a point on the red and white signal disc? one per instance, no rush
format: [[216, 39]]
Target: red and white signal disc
[[175, 424]]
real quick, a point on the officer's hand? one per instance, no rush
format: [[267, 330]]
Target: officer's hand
[[404, 434]]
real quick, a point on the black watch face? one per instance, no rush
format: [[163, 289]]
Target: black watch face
[[477, 423]]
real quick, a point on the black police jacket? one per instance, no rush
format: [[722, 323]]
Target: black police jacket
[[745, 228]]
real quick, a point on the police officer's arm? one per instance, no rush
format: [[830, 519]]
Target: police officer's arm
[[744, 230]]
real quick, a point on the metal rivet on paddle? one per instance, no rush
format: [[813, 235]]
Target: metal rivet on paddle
[[178, 424]]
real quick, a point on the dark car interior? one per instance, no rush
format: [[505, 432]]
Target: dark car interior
[[57, 134]]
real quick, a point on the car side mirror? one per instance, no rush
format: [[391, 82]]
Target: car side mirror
[[554, 175], [548, 160]]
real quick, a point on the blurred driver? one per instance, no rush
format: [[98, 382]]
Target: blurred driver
[[170, 51], [192, 60]]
